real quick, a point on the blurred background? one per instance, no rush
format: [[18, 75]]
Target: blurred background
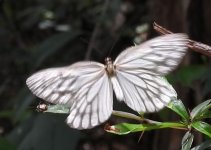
[[39, 34]]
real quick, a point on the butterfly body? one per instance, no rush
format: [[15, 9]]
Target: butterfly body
[[135, 77], [110, 68]]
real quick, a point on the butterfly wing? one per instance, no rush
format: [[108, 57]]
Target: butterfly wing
[[138, 80], [84, 86], [142, 92], [158, 56], [94, 104]]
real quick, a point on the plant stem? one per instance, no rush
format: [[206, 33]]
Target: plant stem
[[173, 125], [194, 45], [132, 116]]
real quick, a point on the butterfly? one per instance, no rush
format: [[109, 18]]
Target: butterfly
[[136, 77]]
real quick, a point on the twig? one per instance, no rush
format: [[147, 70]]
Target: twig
[[132, 116], [95, 32], [195, 46]]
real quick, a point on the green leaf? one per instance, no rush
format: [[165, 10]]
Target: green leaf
[[207, 114], [187, 141], [59, 109], [187, 74], [126, 128], [202, 127], [44, 132], [203, 146], [25, 98], [52, 45], [178, 107], [199, 111], [6, 145], [6, 114]]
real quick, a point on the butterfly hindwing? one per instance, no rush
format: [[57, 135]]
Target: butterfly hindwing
[[52, 85], [91, 110], [143, 92]]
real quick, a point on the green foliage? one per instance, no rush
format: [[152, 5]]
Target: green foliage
[[6, 145], [126, 128], [57, 109], [202, 127], [39, 132], [188, 122], [178, 107], [186, 75], [200, 111], [187, 141], [203, 146]]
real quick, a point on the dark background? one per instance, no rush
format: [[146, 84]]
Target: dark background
[[37, 34]]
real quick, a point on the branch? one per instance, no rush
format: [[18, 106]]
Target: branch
[[96, 31], [195, 46]]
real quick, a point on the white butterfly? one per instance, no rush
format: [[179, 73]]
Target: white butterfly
[[135, 76]]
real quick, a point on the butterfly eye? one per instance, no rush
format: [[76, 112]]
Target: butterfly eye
[[108, 60]]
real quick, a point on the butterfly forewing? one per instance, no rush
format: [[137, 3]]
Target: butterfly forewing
[[60, 85], [52, 85], [158, 56]]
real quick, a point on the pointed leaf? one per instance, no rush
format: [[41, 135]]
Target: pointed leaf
[[203, 146], [202, 127], [187, 141], [178, 107], [207, 114], [59, 109], [126, 128], [199, 111]]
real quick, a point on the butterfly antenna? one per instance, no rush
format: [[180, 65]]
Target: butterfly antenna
[[140, 137], [118, 36], [84, 40], [114, 43], [87, 42]]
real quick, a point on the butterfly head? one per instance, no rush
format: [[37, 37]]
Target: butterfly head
[[109, 66], [42, 107], [108, 60]]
